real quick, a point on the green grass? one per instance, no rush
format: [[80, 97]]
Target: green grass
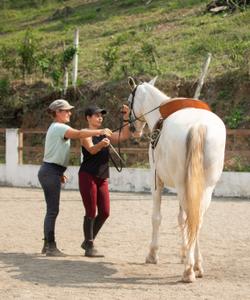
[[182, 33]]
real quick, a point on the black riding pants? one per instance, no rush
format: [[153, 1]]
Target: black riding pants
[[49, 176]]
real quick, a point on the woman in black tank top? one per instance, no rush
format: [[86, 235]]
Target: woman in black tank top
[[97, 164], [94, 174]]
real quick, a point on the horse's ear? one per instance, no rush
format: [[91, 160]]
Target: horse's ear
[[131, 83], [152, 82]]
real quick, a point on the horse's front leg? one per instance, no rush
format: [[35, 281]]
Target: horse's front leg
[[156, 221]]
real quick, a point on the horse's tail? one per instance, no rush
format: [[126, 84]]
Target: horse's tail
[[194, 179]]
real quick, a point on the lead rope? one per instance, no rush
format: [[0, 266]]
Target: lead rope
[[153, 158], [118, 154]]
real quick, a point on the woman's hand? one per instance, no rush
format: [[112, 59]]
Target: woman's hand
[[106, 132], [105, 142], [64, 179], [125, 111]]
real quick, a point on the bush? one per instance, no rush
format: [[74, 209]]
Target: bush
[[8, 60], [110, 57], [27, 52], [4, 87], [235, 118]]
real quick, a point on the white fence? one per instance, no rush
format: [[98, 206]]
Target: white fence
[[231, 184]]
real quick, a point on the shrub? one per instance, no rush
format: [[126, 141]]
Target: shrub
[[27, 53], [8, 60], [110, 57], [234, 119], [4, 86]]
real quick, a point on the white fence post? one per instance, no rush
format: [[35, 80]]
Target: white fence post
[[202, 76], [75, 59], [11, 157]]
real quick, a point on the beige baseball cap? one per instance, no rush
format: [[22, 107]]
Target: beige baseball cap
[[60, 104]]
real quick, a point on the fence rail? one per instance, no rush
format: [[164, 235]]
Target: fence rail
[[241, 132]]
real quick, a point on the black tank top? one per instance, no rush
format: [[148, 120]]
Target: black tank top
[[96, 164]]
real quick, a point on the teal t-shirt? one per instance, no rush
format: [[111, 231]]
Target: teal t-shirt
[[56, 146]]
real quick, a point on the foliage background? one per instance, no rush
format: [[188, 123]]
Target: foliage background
[[140, 38]]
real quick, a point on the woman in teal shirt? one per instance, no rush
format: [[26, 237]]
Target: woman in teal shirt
[[55, 162]]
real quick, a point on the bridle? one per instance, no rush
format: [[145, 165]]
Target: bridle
[[131, 120], [131, 112], [132, 116]]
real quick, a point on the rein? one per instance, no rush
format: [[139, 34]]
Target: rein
[[118, 154]]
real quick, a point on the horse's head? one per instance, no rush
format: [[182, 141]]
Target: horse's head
[[135, 100]]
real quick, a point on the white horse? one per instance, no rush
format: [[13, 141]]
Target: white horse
[[188, 156]]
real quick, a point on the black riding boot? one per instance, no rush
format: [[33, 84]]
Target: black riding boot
[[97, 225], [50, 248], [98, 222], [88, 243], [45, 246]]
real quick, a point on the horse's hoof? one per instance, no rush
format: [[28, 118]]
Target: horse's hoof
[[188, 276], [151, 259], [199, 272], [183, 258]]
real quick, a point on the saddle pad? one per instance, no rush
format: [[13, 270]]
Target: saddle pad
[[168, 108]]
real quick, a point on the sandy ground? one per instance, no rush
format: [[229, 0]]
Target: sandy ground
[[122, 273]]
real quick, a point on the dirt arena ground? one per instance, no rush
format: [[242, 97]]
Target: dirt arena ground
[[124, 240]]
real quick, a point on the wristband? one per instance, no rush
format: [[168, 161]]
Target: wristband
[[125, 120]]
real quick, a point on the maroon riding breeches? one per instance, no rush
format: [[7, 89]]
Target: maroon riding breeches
[[95, 195]]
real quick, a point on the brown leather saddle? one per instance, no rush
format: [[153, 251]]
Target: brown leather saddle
[[170, 107]]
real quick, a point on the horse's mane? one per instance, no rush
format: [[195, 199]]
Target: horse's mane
[[155, 92]]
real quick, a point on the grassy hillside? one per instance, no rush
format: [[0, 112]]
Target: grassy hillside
[[170, 38], [164, 37], [121, 38]]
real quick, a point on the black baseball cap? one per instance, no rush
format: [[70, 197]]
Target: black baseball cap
[[93, 109]]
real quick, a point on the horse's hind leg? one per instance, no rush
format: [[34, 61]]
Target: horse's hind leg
[[197, 255], [193, 264], [181, 222], [156, 221], [189, 274], [198, 259]]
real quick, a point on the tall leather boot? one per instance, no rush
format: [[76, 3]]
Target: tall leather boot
[[88, 243], [53, 250], [97, 225], [45, 246], [50, 248]]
